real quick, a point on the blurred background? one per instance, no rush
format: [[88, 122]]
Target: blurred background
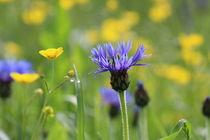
[[175, 33]]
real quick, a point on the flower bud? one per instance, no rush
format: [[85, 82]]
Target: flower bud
[[5, 90], [119, 81], [48, 111], [71, 73], [141, 96], [206, 107], [38, 91], [113, 111]]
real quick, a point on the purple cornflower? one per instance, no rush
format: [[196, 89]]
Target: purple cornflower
[[116, 60], [111, 97], [8, 66]]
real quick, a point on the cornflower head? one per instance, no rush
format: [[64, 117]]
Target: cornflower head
[[6, 68], [116, 61], [141, 96], [110, 97]]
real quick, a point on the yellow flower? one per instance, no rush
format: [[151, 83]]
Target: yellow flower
[[66, 4], [190, 41], [36, 14], [51, 53], [130, 18], [118, 29], [48, 111], [24, 78], [160, 12], [191, 57], [112, 5], [12, 48], [5, 1], [175, 73]]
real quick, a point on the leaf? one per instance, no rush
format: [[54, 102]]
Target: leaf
[[182, 125]]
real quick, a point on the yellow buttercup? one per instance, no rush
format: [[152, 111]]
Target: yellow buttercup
[[51, 53], [24, 78]]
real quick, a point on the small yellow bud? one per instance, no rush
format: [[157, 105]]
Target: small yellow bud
[[70, 73], [39, 91], [48, 111]]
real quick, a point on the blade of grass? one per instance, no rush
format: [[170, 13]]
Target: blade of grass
[[80, 108]]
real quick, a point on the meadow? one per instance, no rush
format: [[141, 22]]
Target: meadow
[[49, 89]]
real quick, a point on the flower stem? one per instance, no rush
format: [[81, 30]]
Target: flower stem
[[124, 115], [143, 125], [207, 129], [80, 109]]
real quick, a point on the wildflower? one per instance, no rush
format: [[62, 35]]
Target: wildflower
[[189, 57], [206, 107], [12, 48], [160, 12], [48, 111], [7, 67], [141, 96], [66, 4], [112, 5], [111, 97], [24, 78], [36, 14], [116, 29], [116, 61], [175, 73], [38, 91], [190, 41], [51, 53]]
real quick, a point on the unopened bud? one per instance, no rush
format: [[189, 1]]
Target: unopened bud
[[113, 111], [206, 107], [71, 73], [5, 90], [48, 111], [120, 81], [141, 96], [39, 91]]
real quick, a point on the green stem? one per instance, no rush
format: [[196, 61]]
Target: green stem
[[208, 129], [143, 125], [124, 115], [58, 86], [80, 109]]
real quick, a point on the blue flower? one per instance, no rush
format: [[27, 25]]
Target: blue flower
[[111, 97], [115, 59], [8, 66]]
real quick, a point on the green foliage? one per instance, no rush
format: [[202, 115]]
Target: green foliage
[[182, 126]]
